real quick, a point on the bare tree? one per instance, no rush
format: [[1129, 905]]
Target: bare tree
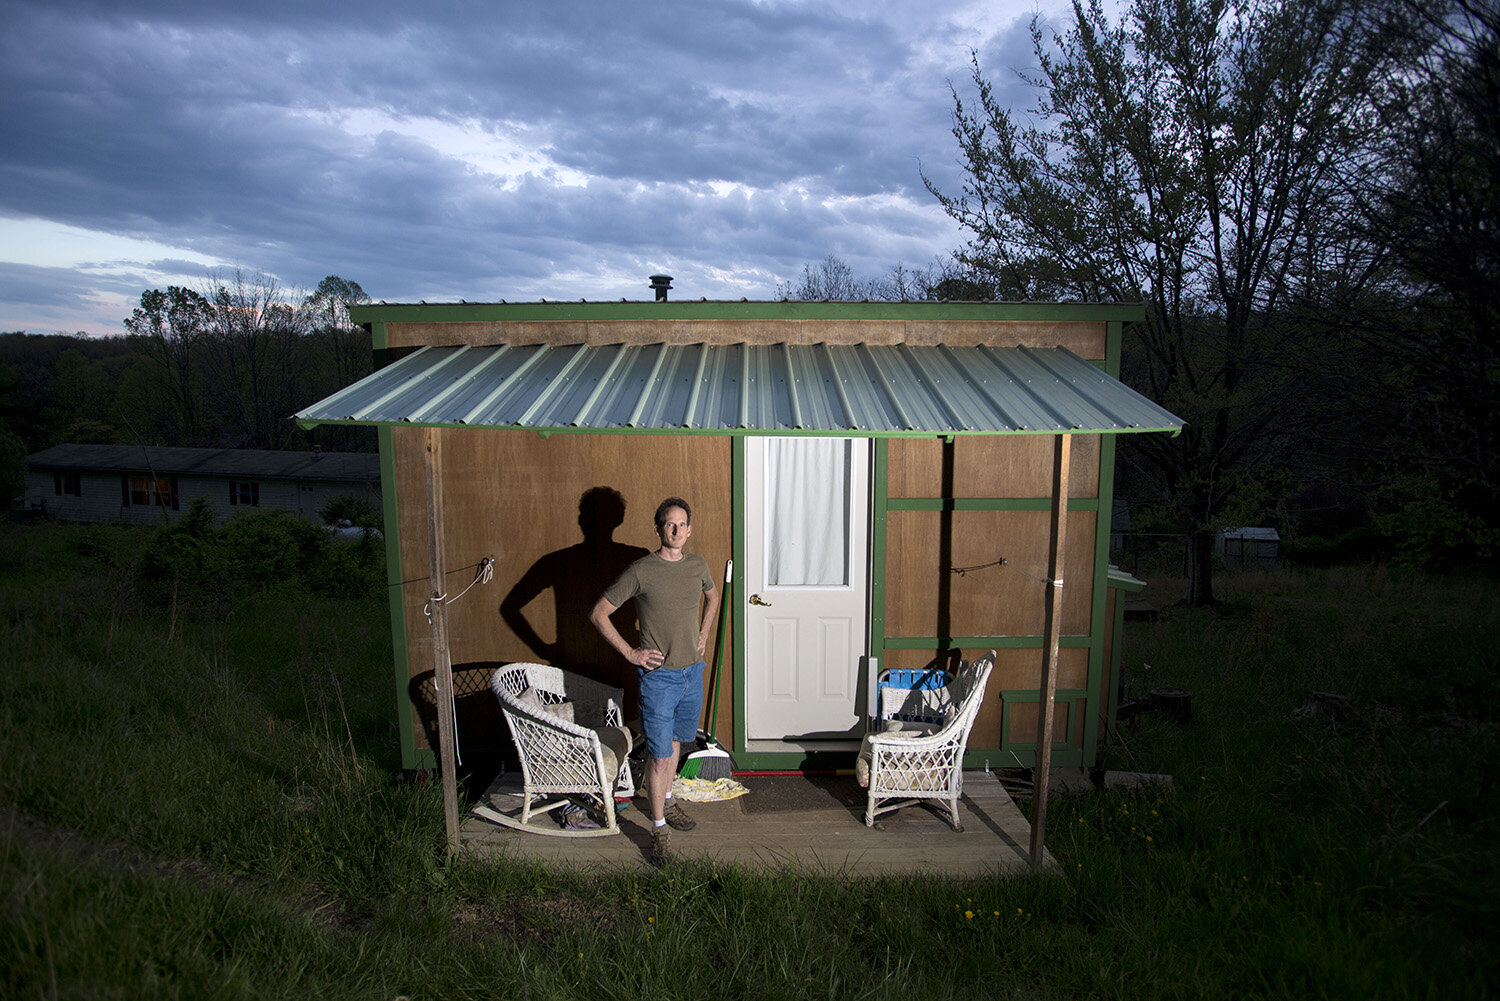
[[830, 279], [253, 332]]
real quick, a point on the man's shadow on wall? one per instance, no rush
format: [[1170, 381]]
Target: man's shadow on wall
[[577, 576]]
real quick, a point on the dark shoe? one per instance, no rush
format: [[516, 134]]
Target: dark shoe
[[677, 818], [661, 846]]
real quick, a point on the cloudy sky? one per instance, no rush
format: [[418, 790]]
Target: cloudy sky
[[483, 150]]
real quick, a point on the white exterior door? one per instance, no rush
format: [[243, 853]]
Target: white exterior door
[[805, 591]]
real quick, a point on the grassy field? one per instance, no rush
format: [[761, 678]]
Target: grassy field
[[200, 798]]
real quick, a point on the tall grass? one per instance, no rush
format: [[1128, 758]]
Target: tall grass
[[201, 799]]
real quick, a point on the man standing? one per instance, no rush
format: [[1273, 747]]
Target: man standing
[[675, 601]]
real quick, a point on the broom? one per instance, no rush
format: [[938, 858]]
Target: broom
[[711, 762]]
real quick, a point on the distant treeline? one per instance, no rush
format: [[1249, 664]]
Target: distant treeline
[[220, 368]]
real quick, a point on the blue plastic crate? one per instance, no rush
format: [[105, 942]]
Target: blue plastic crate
[[909, 679]]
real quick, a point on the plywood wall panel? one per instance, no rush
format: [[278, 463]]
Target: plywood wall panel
[[517, 497], [1007, 466], [925, 597]]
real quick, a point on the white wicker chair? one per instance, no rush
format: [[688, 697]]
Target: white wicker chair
[[568, 730], [907, 765]]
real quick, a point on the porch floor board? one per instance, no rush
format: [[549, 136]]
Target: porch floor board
[[791, 822]]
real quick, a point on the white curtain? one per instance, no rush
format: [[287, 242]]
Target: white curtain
[[807, 511]]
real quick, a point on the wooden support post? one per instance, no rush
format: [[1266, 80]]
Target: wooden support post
[[442, 664], [1062, 454]]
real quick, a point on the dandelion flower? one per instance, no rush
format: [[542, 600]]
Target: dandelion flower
[[969, 915]]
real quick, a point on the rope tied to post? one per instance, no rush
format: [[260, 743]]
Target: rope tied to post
[[1003, 562], [483, 575]]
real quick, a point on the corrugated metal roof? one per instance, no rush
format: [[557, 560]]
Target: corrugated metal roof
[[861, 389], [258, 464]]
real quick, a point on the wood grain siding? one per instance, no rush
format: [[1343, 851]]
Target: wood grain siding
[[1084, 339], [1001, 466], [993, 601], [515, 496]]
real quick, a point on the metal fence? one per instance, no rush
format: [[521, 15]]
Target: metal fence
[[1151, 553]]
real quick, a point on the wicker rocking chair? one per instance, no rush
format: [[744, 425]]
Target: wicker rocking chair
[[568, 731], [909, 762]]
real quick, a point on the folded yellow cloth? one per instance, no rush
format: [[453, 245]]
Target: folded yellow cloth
[[707, 790]]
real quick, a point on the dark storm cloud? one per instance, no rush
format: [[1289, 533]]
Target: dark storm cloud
[[309, 139]]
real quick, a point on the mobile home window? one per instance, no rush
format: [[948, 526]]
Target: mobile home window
[[143, 490], [68, 484], [244, 492]]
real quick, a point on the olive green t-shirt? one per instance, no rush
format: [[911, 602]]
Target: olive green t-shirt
[[668, 601]]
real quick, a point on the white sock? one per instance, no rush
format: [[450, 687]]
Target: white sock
[[658, 823]]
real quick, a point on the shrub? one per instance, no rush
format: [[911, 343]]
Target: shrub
[[346, 507], [254, 553]]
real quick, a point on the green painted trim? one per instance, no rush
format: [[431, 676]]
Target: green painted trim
[[991, 759], [737, 503], [978, 642], [1024, 756], [1063, 751], [988, 504], [1098, 622], [1114, 346], [470, 312], [393, 579], [880, 469], [1116, 664], [424, 761]]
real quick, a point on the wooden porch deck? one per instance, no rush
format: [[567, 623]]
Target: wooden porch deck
[[814, 823]]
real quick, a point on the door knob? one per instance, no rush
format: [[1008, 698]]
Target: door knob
[[755, 599]]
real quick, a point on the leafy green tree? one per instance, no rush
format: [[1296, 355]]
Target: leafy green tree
[[329, 303], [171, 329], [80, 402], [12, 466], [1194, 156], [1433, 198], [339, 352]]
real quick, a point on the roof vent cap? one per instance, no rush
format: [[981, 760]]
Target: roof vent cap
[[660, 284]]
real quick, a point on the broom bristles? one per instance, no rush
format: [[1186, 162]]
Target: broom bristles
[[710, 764]]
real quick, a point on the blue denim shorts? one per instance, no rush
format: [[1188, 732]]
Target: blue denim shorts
[[671, 702]]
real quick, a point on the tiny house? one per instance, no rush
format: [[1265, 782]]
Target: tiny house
[[884, 476]]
